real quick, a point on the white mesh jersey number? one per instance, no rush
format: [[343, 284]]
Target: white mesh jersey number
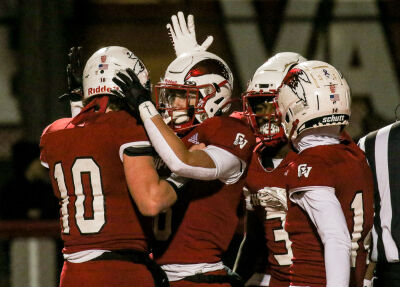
[[281, 235], [82, 166], [358, 219], [59, 176]]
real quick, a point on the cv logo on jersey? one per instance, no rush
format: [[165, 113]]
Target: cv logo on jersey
[[240, 140], [303, 170]]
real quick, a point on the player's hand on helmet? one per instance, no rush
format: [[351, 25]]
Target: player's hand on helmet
[[183, 35], [74, 76], [132, 91]]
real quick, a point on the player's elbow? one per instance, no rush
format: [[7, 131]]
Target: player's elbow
[[158, 199], [151, 207], [178, 168]]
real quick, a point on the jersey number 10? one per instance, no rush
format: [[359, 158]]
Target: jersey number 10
[[85, 225]]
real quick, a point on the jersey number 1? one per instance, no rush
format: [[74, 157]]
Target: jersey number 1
[[358, 221]]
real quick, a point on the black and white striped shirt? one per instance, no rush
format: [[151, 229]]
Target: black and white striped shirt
[[382, 148]]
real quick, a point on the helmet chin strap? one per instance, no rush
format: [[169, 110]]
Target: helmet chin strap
[[219, 112], [294, 126]]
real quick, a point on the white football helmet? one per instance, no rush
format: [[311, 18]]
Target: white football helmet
[[313, 94], [104, 64], [196, 86], [258, 106]]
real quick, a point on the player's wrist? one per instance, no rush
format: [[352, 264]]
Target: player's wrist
[[178, 183], [147, 110]]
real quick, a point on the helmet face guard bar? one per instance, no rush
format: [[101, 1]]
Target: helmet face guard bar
[[191, 103], [261, 114]]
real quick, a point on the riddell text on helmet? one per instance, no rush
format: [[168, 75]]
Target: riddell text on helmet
[[100, 89]]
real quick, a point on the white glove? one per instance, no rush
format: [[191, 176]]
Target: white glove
[[273, 198], [369, 283], [247, 199], [183, 36]]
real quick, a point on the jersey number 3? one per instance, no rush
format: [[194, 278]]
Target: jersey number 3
[[86, 225]]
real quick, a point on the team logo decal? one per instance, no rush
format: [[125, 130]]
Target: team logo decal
[[295, 80], [138, 67], [303, 170], [240, 140]]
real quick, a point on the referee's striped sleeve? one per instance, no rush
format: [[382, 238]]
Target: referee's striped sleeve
[[382, 149]]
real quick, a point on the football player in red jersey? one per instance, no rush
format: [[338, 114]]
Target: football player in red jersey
[[102, 171], [264, 188], [193, 99], [329, 182]]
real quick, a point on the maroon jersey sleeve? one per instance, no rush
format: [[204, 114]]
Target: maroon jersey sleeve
[[55, 126], [227, 133], [310, 170], [131, 138]]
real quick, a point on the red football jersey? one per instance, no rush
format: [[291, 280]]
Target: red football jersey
[[200, 226], [258, 180], [344, 168], [87, 174]]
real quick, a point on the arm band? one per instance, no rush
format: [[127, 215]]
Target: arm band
[[141, 151]]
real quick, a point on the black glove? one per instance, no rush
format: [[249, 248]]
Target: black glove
[[74, 76], [132, 90]]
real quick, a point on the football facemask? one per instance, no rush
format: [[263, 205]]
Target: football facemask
[[260, 112], [181, 105], [196, 86]]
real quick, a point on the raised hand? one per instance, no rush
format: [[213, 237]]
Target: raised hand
[[132, 91], [74, 76], [183, 35]]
